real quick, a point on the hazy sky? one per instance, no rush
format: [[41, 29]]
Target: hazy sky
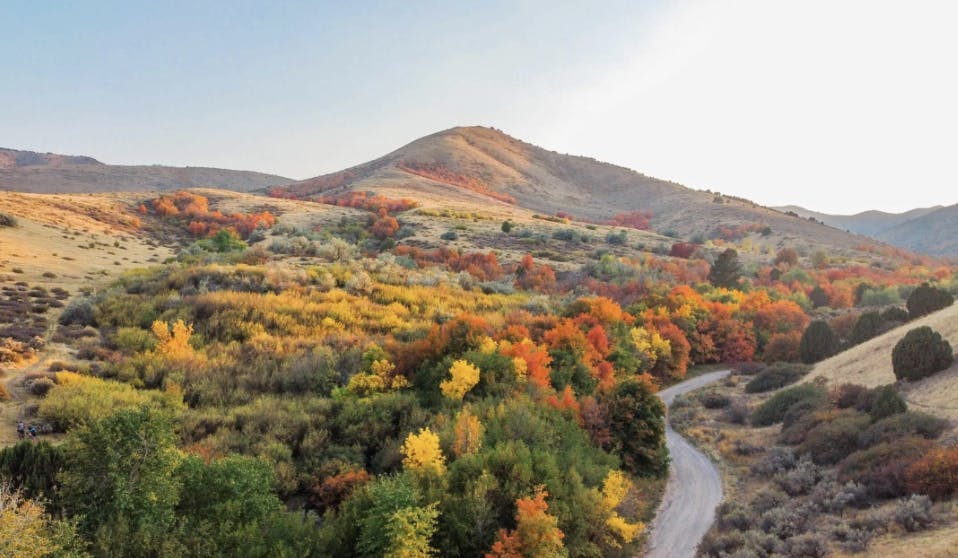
[[836, 105]]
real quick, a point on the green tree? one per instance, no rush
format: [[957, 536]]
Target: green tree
[[927, 299], [507, 226], [920, 353], [867, 326], [818, 297], [819, 342], [119, 481], [636, 421], [33, 468], [727, 270], [396, 512]]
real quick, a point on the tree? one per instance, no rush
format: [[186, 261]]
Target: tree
[[818, 342], [787, 257], [927, 299], [25, 531], [396, 525], [119, 480], [637, 426], [921, 353], [507, 226], [886, 403], [727, 270], [867, 326], [468, 434], [465, 376], [818, 297], [537, 533], [422, 453]]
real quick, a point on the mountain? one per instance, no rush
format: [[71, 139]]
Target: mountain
[[929, 230], [484, 166], [28, 171]]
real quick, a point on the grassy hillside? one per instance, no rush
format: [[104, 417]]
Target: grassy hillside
[[869, 364], [485, 167]]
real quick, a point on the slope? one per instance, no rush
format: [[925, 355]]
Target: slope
[[27, 171], [484, 166], [935, 233], [869, 223], [869, 364]]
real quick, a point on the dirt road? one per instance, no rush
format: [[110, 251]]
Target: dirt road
[[693, 491]]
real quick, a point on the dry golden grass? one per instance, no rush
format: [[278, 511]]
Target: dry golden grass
[[936, 543], [869, 364]]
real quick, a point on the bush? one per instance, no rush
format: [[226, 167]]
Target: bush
[[935, 474], [809, 545], [848, 395], [777, 460], [79, 312], [7, 220], [41, 386], [737, 412], [927, 299], [818, 342], [773, 410], [800, 480], [714, 400], [776, 376], [914, 513], [852, 539], [895, 314], [921, 353], [449, 235], [830, 442], [785, 521], [881, 469], [886, 403], [749, 368], [902, 425], [868, 325]]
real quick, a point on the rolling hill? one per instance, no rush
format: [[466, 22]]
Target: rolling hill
[[929, 230], [28, 171], [485, 167]]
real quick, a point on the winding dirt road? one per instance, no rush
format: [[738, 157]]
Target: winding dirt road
[[693, 491]]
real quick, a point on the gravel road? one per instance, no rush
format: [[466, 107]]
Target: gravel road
[[693, 491]]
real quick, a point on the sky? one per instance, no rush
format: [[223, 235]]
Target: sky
[[835, 105]]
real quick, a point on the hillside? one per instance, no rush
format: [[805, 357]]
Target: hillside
[[483, 166], [928, 230], [869, 364], [28, 171]]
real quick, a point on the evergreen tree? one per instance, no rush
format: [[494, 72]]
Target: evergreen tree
[[727, 270], [818, 342]]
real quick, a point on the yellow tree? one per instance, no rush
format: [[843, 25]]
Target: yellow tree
[[465, 376], [24, 530], [468, 431], [650, 347], [174, 341], [615, 489], [421, 452]]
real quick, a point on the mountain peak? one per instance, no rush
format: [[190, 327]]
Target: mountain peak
[[15, 158]]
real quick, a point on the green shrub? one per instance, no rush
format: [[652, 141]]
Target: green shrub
[[881, 468], [895, 314], [868, 325], [903, 425], [818, 342], [449, 235], [921, 353], [927, 299], [886, 403], [776, 376], [773, 410], [830, 442]]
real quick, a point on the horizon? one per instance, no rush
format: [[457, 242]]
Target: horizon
[[714, 95]]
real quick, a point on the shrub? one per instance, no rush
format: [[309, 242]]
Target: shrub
[[766, 499], [716, 544], [921, 353], [776, 376], [449, 235], [773, 410], [886, 403], [7, 220], [848, 395], [41, 386], [834, 497], [895, 314], [801, 479], [851, 538], [714, 400], [737, 412], [808, 545], [914, 513], [902, 425], [507, 226], [732, 515], [935, 474], [785, 521], [777, 460], [927, 299], [79, 312], [818, 342], [830, 442], [4, 394], [868, 325], [881, 469]]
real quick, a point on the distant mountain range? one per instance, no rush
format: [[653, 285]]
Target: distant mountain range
[[929, 230], [28, 171]]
